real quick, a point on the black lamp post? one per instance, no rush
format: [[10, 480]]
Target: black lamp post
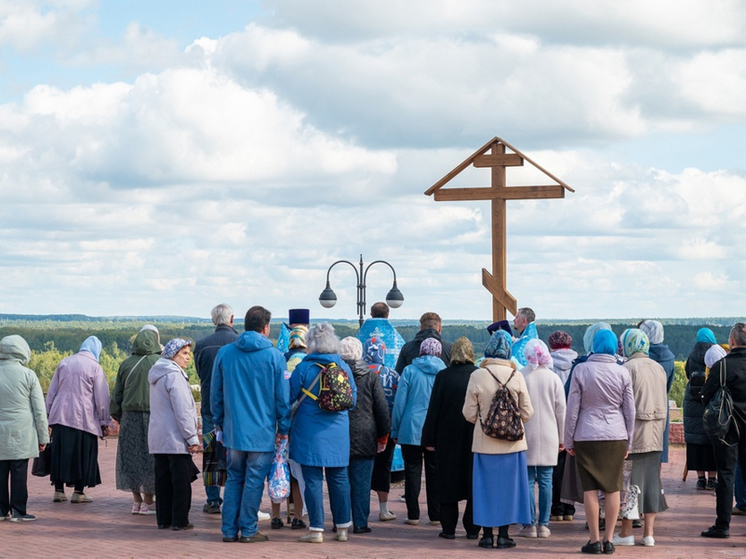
[[328, 298]]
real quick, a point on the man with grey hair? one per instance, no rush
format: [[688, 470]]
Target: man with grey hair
[[205, 351], [526, 330], [728, 455]]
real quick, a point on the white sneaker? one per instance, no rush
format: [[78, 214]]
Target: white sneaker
[[146, 509], [136, 508], [263, 516], [648, 541], [312, 537], [527, 531], [543, 532], [619, 540], [384, 516], [341, 535], [412, 522]]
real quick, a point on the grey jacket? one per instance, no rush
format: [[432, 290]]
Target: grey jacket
[[173, 413]]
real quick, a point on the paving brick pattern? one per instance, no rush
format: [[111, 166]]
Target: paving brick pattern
[[106, 529]]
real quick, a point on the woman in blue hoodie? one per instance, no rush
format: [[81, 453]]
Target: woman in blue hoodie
[[410, 409]]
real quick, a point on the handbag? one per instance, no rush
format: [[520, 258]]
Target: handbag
[[719, 423], [42, 464], [214, 464]]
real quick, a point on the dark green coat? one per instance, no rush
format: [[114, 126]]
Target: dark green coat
[[131, 389]]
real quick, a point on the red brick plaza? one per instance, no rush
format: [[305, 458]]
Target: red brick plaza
[[105, 528]]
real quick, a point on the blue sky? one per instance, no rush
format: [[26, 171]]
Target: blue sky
[[160, 157]]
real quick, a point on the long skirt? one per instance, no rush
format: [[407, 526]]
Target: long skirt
[[700, 457], [74, 457], [135, 464], [646, 475], [500, 489]]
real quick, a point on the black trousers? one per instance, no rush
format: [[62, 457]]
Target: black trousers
[[381, 480], [413, 456], [17, 497], [449, 518], [726, 458], [173, 488], [558, 507]]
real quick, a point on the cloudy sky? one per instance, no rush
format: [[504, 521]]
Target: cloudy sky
[[161, 157]]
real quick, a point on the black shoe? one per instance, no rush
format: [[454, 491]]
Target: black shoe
[[184, 527], [361, 530], [472, 536], [715, 532], [211, 508], [297, 524], [504, 542], [602, 524], [486, 542], [637, 523], [230, 538], [712, 483], [446, 536], [164, 526], [609, 548], [277, 523], [334, 527], [594, 548], [702, 483]]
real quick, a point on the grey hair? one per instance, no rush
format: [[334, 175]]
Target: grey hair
[[322, 339], [351, 349], [221, 314], [527, 313]]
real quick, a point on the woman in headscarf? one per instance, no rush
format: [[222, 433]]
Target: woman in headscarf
[[130, 406], [172, 435], [505, 502], [370, 425], [78, 409], [410, 409], [23, 426], [651, 403], [374, 353], [700, 455], [599, 427], [449, 435], [544, 433]]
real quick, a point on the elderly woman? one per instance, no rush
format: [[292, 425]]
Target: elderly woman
[[651, 403], [23, 426], [447, 432], [500, 487], [172, 435], [130, 406], [544, 433], [369, 429], [700, 455], [78, 410], [599, 427], [410, 409], [320, 440]]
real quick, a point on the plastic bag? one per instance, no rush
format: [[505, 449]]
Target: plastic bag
[[278, 486]]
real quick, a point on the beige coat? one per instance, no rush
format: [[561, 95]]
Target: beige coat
[[651, 403], [479, 393]]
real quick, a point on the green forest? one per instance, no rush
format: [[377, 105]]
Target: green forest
[[53, 338]]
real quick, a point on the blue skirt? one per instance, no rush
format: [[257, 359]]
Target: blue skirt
[[500, 489]]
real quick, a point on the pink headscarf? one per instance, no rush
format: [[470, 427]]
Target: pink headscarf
[[538, 354]]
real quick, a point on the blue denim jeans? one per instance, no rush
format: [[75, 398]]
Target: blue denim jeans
[[361, 473], [739, 488], [543, 476], [243, 491], [338, 485], [212, 491]]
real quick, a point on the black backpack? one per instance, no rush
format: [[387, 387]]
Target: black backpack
[[719, 423], [503, 419]]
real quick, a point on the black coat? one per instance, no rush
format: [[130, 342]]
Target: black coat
[[735, 380], [205, 351], [369, 419], [446, 429], [411, 350], [693, 408]]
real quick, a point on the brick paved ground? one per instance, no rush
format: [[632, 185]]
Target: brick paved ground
[[105, 529]]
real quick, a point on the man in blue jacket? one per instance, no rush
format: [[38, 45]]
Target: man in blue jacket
[[205, 352], [249, 402]]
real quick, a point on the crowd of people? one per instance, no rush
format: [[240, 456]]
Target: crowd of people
[[538, 417]]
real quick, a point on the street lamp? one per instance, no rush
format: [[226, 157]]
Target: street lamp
[[328, 298]]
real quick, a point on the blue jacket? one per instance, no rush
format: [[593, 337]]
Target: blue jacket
[[318, 437], [249, 394], [413, 398]]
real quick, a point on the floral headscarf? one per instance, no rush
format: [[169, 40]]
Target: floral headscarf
[[431, 346], [499, 346], [462, 351], [634, 341], [538, 354], [298, 337]]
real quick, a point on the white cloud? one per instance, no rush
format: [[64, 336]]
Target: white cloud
[[26, 24]]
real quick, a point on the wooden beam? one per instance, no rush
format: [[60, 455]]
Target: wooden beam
[[503, 160], [535, 164], [460, 168], [506, 300], [509, 193]]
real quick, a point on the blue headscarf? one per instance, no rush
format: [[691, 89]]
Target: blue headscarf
[[499, 346], [605, 342], [92, 345], [706, 335], [590, 334]]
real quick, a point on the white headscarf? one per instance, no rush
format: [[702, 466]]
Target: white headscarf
[[713, 355], [653, 330]]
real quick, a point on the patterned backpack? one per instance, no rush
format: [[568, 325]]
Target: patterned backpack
[[503, 419], [335, 390]]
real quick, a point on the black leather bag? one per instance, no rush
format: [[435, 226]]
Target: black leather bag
[[719, 423], [42, 464]]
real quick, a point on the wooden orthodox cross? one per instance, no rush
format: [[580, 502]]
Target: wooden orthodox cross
[[499, 192]]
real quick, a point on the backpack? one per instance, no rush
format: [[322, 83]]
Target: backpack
[[335, 390], [718, 416], [503, 419]]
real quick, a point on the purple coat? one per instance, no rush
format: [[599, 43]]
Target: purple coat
[[600, 406], [78, 395]]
